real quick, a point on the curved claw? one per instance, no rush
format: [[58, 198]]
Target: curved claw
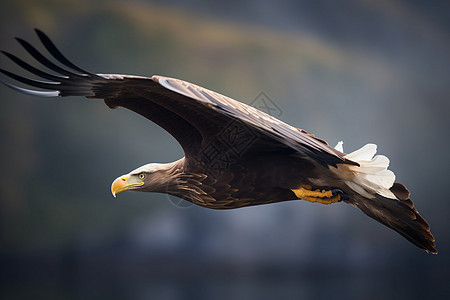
[[336, 192]]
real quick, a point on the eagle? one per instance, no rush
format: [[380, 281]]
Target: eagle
[[234, 154]]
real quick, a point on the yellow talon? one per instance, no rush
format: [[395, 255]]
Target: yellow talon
[[325, 201], [306, 191], [324, 197]]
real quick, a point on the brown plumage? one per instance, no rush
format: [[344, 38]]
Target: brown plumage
[[235, 155]]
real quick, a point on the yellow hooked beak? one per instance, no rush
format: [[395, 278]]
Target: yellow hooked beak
[[122, 184]]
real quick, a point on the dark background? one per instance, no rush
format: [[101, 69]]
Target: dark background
[[358, 71]]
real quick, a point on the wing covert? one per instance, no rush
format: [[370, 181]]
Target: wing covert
[[293, 137]]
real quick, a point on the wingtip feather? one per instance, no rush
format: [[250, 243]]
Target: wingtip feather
[[49, 94]]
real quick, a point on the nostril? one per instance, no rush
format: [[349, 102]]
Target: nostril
[[124, 179]]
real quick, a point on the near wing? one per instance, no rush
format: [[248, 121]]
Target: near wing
[[190, 113]]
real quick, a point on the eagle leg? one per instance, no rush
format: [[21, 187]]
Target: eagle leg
[[305, 192]]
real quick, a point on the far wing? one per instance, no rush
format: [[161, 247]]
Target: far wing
[[190, 113]]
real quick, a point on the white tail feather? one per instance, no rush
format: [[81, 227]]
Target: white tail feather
[[372, 175], [340, 146]]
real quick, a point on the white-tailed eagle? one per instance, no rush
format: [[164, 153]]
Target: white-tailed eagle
[[235, 155]]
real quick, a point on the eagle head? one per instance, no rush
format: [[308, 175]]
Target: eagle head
[[152, 177]]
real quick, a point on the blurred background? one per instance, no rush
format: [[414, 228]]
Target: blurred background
[[357, 71]]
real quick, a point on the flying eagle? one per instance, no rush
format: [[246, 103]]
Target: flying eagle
[[235, 155]]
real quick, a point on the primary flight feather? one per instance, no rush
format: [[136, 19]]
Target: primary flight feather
[[235, 155]]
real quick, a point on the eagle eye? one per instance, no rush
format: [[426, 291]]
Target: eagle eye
[[141, 176]]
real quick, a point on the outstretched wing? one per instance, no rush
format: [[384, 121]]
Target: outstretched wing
[[190, 113]]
